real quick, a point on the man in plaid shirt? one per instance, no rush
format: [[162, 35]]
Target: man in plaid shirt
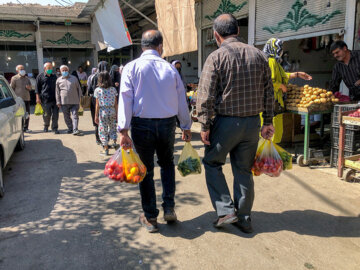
[[235, 87]]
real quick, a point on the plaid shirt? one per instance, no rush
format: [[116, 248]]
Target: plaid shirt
[[235, 81]]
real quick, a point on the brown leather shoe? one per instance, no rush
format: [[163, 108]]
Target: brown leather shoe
[[149, 224], [228, 219]]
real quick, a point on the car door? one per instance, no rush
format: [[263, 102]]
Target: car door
[[10, 129]]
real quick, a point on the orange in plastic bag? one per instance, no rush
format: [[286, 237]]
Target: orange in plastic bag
[[125, 166], [267, 160]]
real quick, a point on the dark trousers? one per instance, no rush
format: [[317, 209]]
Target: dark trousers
[[51, 112], [92, 109], [152, 136], [238, 136], [27, 118]]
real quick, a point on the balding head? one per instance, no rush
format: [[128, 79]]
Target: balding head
[[151, 39], [226, 25], [19, 67]]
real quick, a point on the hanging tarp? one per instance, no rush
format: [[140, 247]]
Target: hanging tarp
[[293, 19], [112, 24], [210, 9], [176, 21]]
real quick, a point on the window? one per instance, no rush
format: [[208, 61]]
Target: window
[[5, 89]]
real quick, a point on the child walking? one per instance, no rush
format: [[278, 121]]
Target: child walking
[[106, 111]]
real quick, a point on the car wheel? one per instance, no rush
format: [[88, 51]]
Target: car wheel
[[21, 143], [1, 182]]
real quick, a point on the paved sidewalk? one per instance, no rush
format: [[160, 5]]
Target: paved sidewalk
[[60, 212]]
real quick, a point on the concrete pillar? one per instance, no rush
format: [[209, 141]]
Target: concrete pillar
[[39, 49], [350, 18], [252, 19], [96, 58]]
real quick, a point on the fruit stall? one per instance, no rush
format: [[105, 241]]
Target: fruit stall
[[308, 101], [348, 119]]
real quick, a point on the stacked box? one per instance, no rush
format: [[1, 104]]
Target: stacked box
[[352, 134]]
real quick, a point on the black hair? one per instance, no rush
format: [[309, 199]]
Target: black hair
[[338, 45], [80, 67], [226, 26], [151, 40], [104, 79]]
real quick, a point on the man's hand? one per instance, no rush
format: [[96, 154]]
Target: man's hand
[[125, 141], [357, 83], [28, 87], [59, 106], [186, 135], [38, 100], [117, 84], [205, 137], [267, 131], [96, 120]]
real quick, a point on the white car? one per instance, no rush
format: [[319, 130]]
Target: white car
[[12, 119]]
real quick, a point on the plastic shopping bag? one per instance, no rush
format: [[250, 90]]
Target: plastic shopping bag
[[38, 109], [125, 166], [267, 159], [285, 156], [134, 168], [189, 162], [81, 111]]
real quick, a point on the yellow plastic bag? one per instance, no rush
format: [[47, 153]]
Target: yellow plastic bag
[[285, 156], [81, 111], [267, 159], [38, 109], [134, 168], [189, 161]]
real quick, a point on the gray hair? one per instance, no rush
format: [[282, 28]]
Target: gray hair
[[226, 25], [64, 66], [151, 39], [18, 66], [47, 64]]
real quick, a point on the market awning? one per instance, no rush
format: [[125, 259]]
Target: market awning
[[108, 29], [176, 21]]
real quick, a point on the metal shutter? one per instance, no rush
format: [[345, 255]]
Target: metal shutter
[[210, 9], [291, 19]]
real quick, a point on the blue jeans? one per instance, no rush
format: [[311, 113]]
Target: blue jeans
[[150, 136], [238, 136]]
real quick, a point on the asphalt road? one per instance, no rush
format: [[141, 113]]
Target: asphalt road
[[60, 212]]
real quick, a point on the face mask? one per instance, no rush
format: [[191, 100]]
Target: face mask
[[65, 73], [22, 72], [58, 73], [49, 71]]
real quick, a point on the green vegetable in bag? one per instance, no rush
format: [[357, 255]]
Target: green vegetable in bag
[[189, 161], [38, 109]]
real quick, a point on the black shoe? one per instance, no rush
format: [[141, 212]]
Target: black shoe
[[98, 142], [244, 225], [170, 215], [46, 130], [69, 131], [56, 131]]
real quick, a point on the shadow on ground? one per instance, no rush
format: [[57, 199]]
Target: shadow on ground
[[66, 215]]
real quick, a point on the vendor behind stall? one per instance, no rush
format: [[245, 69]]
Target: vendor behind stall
[[347, 69], [274, 50]]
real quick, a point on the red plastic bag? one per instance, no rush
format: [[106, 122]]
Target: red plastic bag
[[267, 160], [125, 166]]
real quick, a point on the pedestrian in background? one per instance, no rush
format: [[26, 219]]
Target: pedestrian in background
[[151, 96], [45, 95], [93, 72], [102, 66], [58, 73], [115, 77], [106, 111], [235, 87], [68, 93], [22, 87]]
